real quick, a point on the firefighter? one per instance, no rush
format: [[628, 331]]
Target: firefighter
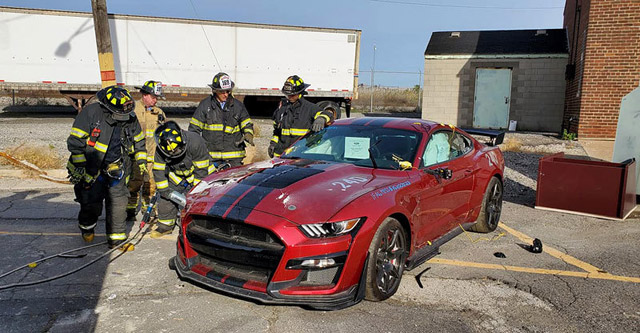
[[150, 117], [224, 123], [295, 116], [105, 140], [181, 162]]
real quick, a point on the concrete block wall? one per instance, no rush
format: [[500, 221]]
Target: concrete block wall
[[537, 91]]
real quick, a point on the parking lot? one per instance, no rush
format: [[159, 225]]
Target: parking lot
[[586, 280]]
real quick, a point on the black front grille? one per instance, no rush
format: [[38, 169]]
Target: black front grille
[[236, 244]]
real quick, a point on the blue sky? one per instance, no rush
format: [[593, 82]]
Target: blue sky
[[400, 29]]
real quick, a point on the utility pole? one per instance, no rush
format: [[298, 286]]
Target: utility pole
[[103, 41], [373, 70], [419, 89]]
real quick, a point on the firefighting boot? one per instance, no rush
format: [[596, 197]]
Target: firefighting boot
[[126, 247], [87, 235], [161, 230]]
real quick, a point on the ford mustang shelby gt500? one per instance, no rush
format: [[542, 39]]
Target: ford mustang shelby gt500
[[341, 214]]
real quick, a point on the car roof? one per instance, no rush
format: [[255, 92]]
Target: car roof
[[410, 124]]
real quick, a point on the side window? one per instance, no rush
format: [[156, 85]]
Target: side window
[[460, 145], [438, 148]]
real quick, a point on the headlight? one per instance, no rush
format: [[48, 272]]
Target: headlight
[[329, 229]]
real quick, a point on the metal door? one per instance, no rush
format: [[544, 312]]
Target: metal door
[[492, 98]]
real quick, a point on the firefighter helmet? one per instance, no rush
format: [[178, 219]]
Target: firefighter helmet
[[294, 85], [118, 101], [153, 88], [170, 140], [222, 82]]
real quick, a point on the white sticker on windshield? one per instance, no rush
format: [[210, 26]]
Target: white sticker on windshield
[[356, 148]]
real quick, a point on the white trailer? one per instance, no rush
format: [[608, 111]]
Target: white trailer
[[56, 51]]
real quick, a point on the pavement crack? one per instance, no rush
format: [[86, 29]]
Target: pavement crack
[[571, 291]]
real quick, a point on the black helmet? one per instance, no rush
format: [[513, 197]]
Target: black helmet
[[294, 85], [153, 88], [222, 82], [118, 101], [170, 140]]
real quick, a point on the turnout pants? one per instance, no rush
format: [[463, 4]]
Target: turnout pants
[[141, 183], [115, 200], [168, 210]]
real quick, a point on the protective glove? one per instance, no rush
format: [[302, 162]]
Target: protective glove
[[318, 124], [271, 149], [76, 174], [143, 168]]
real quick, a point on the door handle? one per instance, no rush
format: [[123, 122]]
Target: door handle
[[506, 100]]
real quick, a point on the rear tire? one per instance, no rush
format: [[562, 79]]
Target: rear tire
[[332, 107], [491, 207], [387, 256]]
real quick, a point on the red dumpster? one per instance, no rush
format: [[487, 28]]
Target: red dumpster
[[596, 188]]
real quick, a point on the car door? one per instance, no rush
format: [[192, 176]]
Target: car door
[[442, 203]]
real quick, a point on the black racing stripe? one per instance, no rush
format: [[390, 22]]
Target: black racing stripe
[[227, 199], [378, 122], [265, 182], [360, 121], [246, 205]]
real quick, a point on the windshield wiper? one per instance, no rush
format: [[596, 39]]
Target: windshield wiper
[[373, 160]]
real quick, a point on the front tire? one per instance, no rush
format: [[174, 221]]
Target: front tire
[[332, 107], [388, 252], [491, 207]]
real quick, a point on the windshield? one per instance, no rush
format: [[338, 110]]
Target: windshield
[[384, 148]]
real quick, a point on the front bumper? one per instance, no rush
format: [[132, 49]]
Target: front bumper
[[240, 288]]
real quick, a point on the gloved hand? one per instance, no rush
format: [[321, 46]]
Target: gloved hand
[[271, 149], [76, 174], [143, 168], [318, 124]]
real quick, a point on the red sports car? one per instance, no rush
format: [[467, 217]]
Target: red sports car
[[341, 214]]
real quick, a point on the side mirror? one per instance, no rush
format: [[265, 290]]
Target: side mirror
[[440, 173]]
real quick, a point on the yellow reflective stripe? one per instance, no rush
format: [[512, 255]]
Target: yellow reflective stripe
[[215, 154], [275, 139], [79, 158], [141, 156], [175, 179], [132, 206], [233, 154], [78, 133], [248, 130], [168, 223], [162, 184], [184, 172], [149, 159], [286, 131], [196, 181], [211, 169], [196, 122], [324, 116], [101, 147], [120, 236], [295, 131], [231, 130], [214, 127], [201, 164], [191, 179], [159, 166], [139, 137], [276, 155], [245, 122], [150, 133]]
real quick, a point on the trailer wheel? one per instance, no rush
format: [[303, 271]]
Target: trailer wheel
[[333, 107]]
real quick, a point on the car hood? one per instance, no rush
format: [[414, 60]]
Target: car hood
[[301, 191]]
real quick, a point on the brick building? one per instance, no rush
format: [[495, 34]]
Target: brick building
[[486, 79], [604, 64]]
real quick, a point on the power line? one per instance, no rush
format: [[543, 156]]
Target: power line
[[462, 6], [195, 12]]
